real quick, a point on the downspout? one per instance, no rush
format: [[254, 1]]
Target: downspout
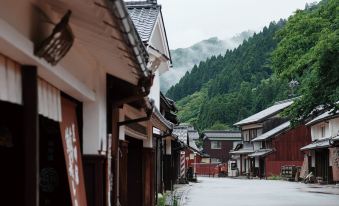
[[156, 170]]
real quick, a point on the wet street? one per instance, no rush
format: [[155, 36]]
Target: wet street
[[226, 191]]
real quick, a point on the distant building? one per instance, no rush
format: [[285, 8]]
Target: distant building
[[253, 127], [278, 147], [218, 143], [187, 135]]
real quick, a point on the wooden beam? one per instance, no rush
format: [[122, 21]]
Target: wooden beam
[[31, 135]]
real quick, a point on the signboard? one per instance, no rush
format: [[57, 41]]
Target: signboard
[[334, 158], [71, 145]]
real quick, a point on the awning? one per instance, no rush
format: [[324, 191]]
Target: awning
[[318, 144], [242, 151], [272, 132], [260, 153]]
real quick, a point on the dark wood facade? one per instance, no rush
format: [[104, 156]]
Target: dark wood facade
[[286, 147], [223, 153]]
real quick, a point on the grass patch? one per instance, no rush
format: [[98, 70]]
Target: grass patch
[[273, 177]]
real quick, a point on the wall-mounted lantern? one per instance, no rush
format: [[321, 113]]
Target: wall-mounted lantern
[[56, 45]]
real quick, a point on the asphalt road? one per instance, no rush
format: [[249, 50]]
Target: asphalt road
[[239, 192]]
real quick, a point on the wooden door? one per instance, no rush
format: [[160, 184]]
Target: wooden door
[[134, 172]]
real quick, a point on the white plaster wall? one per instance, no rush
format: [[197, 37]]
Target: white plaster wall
[[94, 117], [256, 162], [334, 127], [155, 90], [256, 145], [168, 146], [316, 131], [238, 164], [247, 145], [148, 143]]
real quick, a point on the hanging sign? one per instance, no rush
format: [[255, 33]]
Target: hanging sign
[[71, 145]]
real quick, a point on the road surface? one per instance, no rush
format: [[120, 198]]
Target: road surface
[[239, 192]]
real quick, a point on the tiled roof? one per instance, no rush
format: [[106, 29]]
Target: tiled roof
[[272, 132], [320, 143], [322, 117], [276, 108], [144, 19], [242, 151], [222, 134], [260, 153], [181, 133], [193, 134], [193, 145]]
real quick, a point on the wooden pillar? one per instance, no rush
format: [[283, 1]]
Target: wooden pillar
[[149, 177], [123, 190], [31, 134], [240, 172]]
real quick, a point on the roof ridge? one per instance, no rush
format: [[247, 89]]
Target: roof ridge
[[225, 131], [284, 101]]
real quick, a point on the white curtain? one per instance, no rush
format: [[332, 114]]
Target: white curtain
[[11, 90], [49, 100], [10, 81]]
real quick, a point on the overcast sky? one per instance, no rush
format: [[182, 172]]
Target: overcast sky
[[190, 21]]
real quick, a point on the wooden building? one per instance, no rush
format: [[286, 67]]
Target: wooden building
[[139, 141], [278, 147], [190, 154], [67, 69], [252, 127], [167, 149], [218, 143], [322, 155]]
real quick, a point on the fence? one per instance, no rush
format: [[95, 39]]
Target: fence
[[205, 169]]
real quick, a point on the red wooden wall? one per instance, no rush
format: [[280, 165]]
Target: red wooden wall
[[287, 149]]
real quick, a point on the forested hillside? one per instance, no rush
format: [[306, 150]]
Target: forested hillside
[[309, 53], [224, 89], [185, 58]]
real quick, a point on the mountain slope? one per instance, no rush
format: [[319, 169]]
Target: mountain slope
[[224, 89], [185, 58]]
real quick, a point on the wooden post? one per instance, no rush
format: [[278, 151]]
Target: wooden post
[[240, 172], [123, 190], [148, 179], [31, 134]]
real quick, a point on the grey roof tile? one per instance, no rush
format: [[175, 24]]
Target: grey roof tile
[[144, 19], [222, 134], [320, 143], [266, 113], [272, 132], [261, 152]]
